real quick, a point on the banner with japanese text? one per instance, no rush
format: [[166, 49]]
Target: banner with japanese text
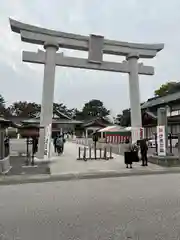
[[161, 140], [47, 143]]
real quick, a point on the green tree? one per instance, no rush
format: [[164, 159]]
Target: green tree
[[118, 119], [62, 108], [24, 109], [165, 89], [78, 115], [2, 101], [125, 118], [3, 110], [94, 108]]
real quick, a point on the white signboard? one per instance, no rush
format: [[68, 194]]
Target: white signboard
[[47, 145], [161, 140]]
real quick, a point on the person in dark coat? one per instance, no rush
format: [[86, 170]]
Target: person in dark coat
[[127, 156], [144, 149], [34, 145], [6, 145], [54, 143]]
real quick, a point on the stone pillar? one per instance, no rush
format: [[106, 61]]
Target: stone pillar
[[86, 133], [2, 150], [162, 121], [47, 93], [134, 94], [179, 145]]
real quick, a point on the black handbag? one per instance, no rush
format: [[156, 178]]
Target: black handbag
[[135, 157]]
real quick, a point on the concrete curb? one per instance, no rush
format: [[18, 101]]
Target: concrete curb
[[12, 180]]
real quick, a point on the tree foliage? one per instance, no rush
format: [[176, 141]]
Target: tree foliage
[[118, 119], [3, 111], [94, 108], [125, 118], [165, 89], [24, 109], [2, 101]]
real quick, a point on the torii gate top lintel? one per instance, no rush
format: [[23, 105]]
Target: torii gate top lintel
[[38, 35]]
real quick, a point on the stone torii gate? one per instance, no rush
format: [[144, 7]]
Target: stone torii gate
[[96, 46]]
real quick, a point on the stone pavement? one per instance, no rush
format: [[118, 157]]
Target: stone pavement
[[67, 163], [66, 167], [18, 167], [130, 208]]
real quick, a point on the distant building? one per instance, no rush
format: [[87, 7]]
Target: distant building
[[149, 113], [60, 123]]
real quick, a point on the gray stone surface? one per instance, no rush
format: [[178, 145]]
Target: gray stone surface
[[168, 161], [19, 147], [134, 95], [38, 35], [67, 163], [143, 208]]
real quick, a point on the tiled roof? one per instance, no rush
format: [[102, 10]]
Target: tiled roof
[[60, 121], [4, 120], [56, 112], [161, 100], [97, 120]]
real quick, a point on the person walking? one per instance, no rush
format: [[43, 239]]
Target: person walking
[[127, 156], [60, 144], [144, 149]]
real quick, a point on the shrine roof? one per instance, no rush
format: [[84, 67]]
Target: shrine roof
[[161, 100], [60, 121]]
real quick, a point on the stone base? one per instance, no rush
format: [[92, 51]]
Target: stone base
[[5, 165], [167, 161]]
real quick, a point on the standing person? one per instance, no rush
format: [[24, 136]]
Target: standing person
[[60, 144], [6, 145], [54, 143], [144, 149], [34, 145], [127, 156]]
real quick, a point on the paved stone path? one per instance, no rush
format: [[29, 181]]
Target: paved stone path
[[136, 208], [68, 162]]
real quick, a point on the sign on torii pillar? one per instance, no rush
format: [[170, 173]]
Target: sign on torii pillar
[[96, 46]]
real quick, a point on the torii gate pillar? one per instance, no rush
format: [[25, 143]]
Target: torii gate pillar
[[134, 94], [47, 94]]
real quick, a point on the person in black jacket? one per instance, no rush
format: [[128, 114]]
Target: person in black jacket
[[34, 144], [127, 155], [54, 143], [144, 149], [6, 145]]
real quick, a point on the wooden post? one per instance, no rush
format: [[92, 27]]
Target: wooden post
[[110, 152], [100, 152], [1, 143], [79, 153], [89, 152], [27, 151], [84, 154], [170, 143], [105, 153], [95, 150]]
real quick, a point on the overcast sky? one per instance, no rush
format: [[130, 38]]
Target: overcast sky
[[155, 21]]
